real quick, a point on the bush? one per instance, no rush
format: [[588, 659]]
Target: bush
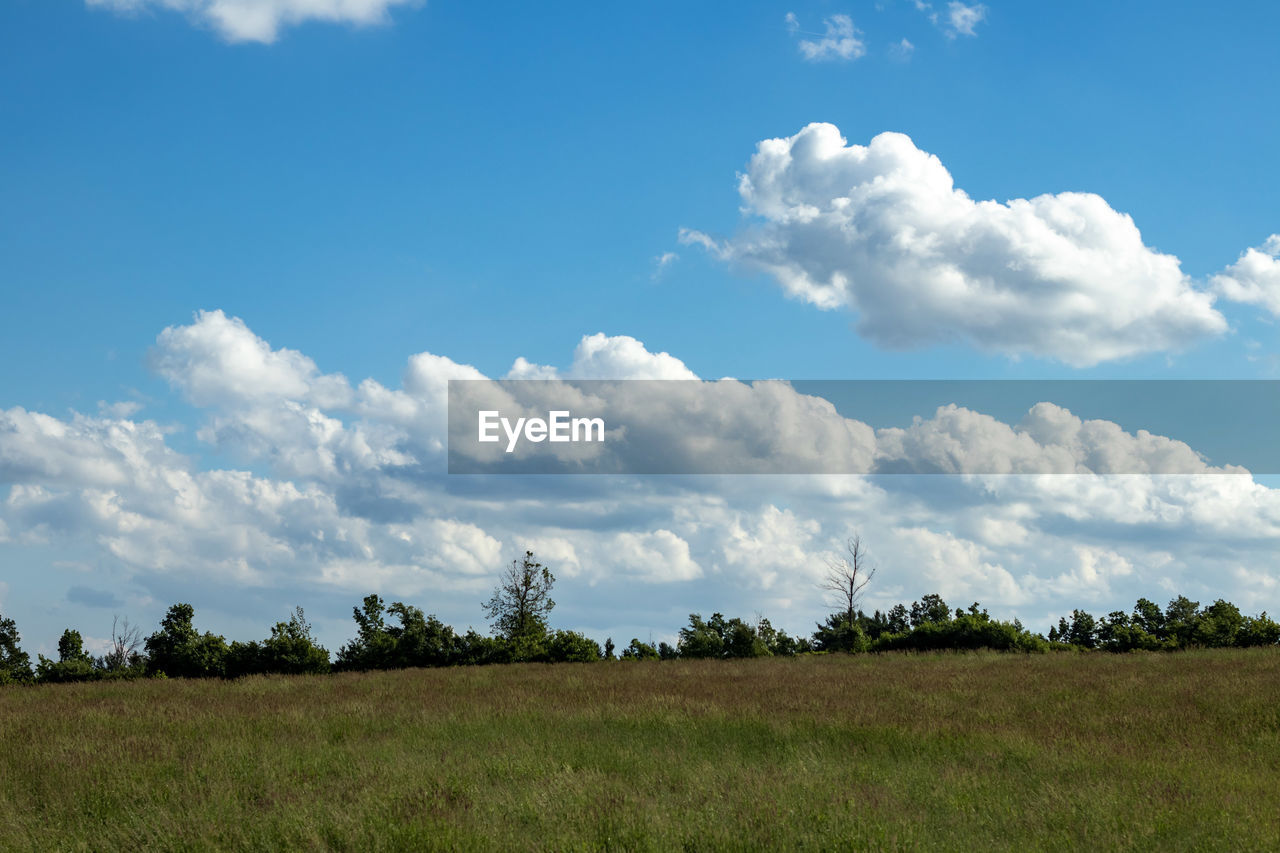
[[572, 646]]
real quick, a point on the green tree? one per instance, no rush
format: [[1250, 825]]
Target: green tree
[[1147, 616], [930, 609], [291, 649], [702, 639], [374, 646], [1218, 625], [421, 640], [639, 651], [572, 647], [1258, 631], [15, 664], [73, 664], [1180, 620], [840, 634], [899, 619], [521, 604], [1083, 630], [179, 651]]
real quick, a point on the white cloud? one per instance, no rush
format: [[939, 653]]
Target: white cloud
[[838, 41], [1049, 440], [262, 20], [770, 545], [1254, 278], [662, 262], [961, 19], [657, 557], [957, 568], [217, 361], [600, 356], [902, 49], [881, 230]]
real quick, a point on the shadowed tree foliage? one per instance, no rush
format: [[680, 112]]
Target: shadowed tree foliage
[[290, 650], [839, 633], [929, 610], [73, 664], [639, 651], [179, 651], [1182, 625], [15, 664], [967, 629], [572, 647], [718, 637], [418, 640]]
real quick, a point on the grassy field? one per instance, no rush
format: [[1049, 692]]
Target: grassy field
[[958, 752]]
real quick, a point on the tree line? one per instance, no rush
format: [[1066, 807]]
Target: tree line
[[399, 635]]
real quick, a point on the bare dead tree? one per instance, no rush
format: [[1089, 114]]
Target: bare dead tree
[[847, 576], [126, 639]]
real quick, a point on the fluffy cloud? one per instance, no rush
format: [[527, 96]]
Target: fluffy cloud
[[262, 20], [600, 356], [1254, 278], [218, 361], [882, 230], [839, 39], [961, 19]]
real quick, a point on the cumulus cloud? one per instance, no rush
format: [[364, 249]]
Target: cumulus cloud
[[1254, 278], [838, 41], [882, 230], [600, 356], [262, 20], [217, 361]]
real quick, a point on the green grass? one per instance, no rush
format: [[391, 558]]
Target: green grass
[[958, 752]]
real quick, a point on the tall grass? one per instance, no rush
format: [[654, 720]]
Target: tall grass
[[951, 751]]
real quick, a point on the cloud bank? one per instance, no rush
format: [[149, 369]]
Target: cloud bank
[[343, 493]]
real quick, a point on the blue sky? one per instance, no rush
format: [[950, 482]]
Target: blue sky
[[486, 182]]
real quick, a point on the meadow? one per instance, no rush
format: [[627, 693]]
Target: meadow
[[947, 751]]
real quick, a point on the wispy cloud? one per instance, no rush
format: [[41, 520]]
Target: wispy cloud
[[262, 20], [663, 262], [959, 19], [838, 41]]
